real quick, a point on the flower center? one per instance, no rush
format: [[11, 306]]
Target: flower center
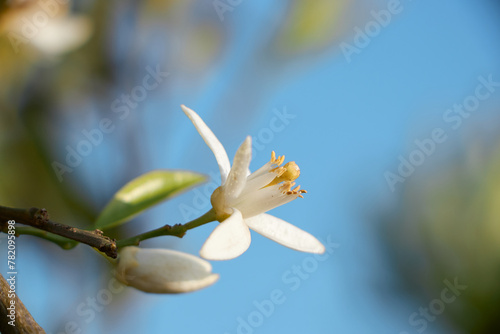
[[286, 175], [289, 172]]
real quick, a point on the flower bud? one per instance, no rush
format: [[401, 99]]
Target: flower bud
[[163, 270]]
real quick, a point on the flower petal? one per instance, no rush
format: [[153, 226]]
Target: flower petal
[[163, 270], [258, 201], [212, 142], [285, 233], [228, 240], [238, 175]]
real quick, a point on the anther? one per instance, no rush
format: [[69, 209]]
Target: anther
[[290, 172]]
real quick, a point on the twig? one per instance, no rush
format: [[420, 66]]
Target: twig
[[177, 230], [24, 322], [39, 218]]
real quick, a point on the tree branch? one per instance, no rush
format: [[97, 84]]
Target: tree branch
[[39, 218], [24, 322]]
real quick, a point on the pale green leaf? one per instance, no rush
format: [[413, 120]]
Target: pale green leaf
[[143, 192]]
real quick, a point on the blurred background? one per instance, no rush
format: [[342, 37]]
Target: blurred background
[[390, 108]]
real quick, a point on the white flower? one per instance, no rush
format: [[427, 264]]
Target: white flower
[[163, 270], [240, 202]]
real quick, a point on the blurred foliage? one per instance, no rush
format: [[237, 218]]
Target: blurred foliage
[[446, 225], [311, 26]]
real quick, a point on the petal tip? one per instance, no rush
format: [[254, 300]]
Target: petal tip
[[186, 110], [320, 249], [315, 247], [247, 144]]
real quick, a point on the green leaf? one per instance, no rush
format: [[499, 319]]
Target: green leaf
[[143, 192]]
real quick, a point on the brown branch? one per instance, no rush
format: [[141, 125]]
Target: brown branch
[[39, 218], [24, 322]]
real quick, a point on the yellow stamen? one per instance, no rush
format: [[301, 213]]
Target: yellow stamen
[[296, 191], [287, 187], [277, 161], [285, 174], [289, 172]]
